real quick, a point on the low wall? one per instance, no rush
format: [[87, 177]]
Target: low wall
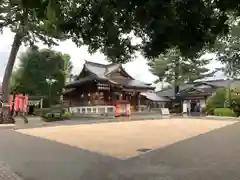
[[93, 110]]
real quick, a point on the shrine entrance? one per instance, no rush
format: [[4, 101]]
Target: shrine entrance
[[34, 104], [195, 108]]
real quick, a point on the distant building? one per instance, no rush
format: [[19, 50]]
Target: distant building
[[194, 95]]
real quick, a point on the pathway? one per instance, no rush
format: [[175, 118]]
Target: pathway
[[6, 173]]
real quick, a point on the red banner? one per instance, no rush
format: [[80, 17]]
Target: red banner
[[16, 103], [10, 102], [25, 104], [20, 105]]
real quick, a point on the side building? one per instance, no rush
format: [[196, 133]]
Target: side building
[[194, 95], [104, 85]]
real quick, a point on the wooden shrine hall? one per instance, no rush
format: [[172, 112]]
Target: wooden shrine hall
[[104, 85]]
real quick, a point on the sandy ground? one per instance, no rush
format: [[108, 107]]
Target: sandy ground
[[124, 139]]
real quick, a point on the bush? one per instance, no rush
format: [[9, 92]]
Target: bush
[[53, 114], [236, 104], [224, 112], [67, 115], [217, 100], [42, 111]]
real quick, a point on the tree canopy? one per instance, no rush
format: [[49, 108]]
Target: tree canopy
[[38, 65], [227, 49], [105, 25], [176, 69]]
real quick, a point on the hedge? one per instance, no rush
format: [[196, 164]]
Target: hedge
[[224, 112], [216, 100], [53, 114]]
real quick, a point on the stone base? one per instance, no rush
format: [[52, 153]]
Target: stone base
[[5, 115]]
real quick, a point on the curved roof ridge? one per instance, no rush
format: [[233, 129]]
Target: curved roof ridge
[[100, 64], [94, 63]]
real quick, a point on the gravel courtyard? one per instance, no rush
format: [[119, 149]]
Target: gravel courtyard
[[126, 139]]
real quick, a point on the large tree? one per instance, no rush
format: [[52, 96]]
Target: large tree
[[175, 69], [38, 65]]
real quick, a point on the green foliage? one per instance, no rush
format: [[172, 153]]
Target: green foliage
[[33, 21], [228, 97], [224, 112], [35, 67], [216, 100], [227, 48], [51, 117], [105, 25], [235, 100], [67, 115], [42, 111], [175, 69], [53, 114]]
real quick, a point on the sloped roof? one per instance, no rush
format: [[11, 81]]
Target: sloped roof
[[170, 91], [154, 97], [217, 83], [83, 80], [100, 72], [131, 83], [223, 83]]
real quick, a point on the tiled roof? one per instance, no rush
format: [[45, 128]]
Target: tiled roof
[[131, 83], [170, 91], [100, 72], [154, 97], [83, 80], [100, 69], [217, 83]]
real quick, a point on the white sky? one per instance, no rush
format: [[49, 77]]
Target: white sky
[[137, 68]]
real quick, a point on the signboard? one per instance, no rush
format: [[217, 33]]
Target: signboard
[[165, 111], [185, 107], [102, 86]]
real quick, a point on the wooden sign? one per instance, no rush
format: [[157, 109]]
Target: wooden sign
[[102, 86]]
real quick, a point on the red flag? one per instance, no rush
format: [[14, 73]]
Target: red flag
[[16, 103], [10, 102], [25, 103], [20, 105]]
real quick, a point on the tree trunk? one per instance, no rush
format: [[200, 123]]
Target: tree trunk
[[5, 115], [176, 78], [177, 84]]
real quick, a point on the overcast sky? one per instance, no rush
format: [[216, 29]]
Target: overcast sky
[[137, 68]]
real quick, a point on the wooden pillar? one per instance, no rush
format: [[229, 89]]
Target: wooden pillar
[[41, 103], [121, 96], [138, 100], [86, 97], [105, 97]]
